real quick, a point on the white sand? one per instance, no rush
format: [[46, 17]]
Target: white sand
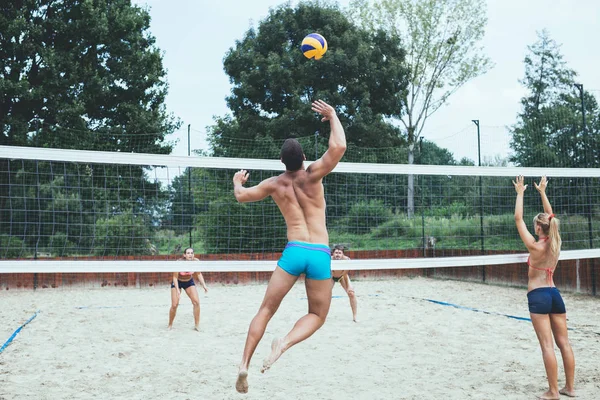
[[403, 348]]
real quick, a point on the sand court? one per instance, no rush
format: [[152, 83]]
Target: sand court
[[417, 339]]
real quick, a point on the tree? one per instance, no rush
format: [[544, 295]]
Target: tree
[[82, 75], [75, 69], [443, 53], [549, 131], [362, 76], [431, 154]]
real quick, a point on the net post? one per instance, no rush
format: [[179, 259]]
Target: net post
[[39, 214], [421, 178], [190, 181], [579, 87], [476, 122], [594, 290]]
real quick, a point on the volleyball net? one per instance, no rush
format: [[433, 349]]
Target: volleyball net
[[126, 212]]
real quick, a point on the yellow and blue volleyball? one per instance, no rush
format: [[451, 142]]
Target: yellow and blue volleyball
[[314, 46]]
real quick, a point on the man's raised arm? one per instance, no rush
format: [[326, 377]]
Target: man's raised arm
[[254, 193], [337, 141]]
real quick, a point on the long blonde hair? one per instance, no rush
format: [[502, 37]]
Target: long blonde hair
[[550, 226]]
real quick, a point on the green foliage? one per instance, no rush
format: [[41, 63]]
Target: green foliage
[[454, 229], [456, 232], [12, 247], [574, 232], [79, 75], [60, 245], [122, 234], [182, 207], [430, 153], [442, 39], [90, 68], [399, 226], [549, 131], [167, 241], [362, 75], [368, 242], [456, 208], [364, 216], [231, 227], [499, 226]]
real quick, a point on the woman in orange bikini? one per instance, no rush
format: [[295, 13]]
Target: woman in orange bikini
[[185, 281], [546, 306]]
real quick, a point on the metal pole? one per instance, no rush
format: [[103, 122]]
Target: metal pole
[[588, 195], [476, 122], [316, 145], [422, 200], [579, 86], [189, 169]]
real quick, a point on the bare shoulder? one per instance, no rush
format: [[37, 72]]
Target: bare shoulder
[[196, 259], [310, 172], [273, 180], [537, 249]]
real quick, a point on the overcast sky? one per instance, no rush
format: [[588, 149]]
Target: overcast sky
[[195, 35]]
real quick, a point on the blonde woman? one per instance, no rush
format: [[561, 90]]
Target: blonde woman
[[546, 306], [185, 281]]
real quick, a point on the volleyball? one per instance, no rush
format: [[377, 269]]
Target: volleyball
[[314, 46]]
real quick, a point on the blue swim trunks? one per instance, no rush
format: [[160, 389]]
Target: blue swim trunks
[[314, 260], [546, 300]]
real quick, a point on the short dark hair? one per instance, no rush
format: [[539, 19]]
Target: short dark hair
[[338, 247], [292, 155]]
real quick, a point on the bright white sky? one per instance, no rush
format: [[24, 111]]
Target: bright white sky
[[195, 35]]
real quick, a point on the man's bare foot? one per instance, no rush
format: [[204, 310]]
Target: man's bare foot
[[241, 385], [276, 352], [354, 319], [567, 392], [197, 328], [170, 327], [550, 396]]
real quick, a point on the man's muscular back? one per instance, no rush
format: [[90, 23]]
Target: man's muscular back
[[301, 200]]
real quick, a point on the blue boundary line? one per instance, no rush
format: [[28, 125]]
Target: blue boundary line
[[341, 297], [443, 303], [15, 333]]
